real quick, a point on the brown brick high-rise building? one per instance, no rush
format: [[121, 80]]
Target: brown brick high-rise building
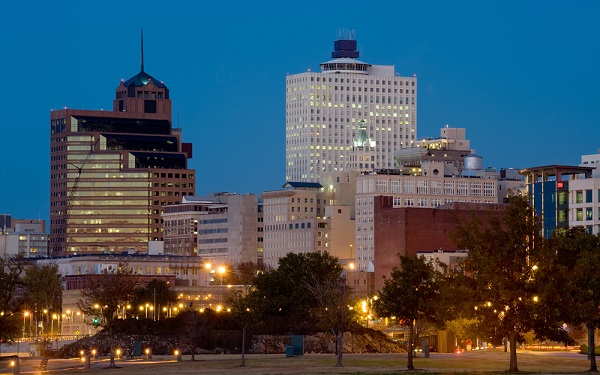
[[111, 172]]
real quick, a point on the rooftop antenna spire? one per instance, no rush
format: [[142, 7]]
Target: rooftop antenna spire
[[142, 49]]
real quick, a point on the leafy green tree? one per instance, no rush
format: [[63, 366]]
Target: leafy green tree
[[503, 250], [43, 285], [105, 295], [12, 290], [410, 294], [569, 279], [463, 328], [157, 293], [282, 290]]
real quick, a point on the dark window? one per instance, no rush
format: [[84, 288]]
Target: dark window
[[149, 106]]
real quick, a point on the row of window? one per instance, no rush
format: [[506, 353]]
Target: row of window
[[288, 226], [353, 80]]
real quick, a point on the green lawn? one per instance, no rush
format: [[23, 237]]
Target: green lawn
[[469, 363]]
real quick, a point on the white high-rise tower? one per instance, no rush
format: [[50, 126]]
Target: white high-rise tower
[[324, 113]]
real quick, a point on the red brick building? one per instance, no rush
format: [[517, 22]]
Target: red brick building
[[409, 230]]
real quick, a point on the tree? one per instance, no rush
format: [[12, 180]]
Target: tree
[[43, 285], [11, 294], [245, 312], [503, 250], [570, 284], [409, 294], [463, 328], [105, 295], [243, 275], [157, 293], [282, 290], [332, 310], [195, 327]]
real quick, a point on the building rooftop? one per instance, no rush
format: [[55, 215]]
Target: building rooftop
[[302, 185], [142, 79], [557, 169]]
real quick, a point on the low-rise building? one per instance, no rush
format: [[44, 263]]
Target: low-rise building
[[188, 276], [563, 196], [222, 228], [23, 237]]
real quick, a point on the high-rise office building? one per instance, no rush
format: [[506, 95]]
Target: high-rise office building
[[111, 172], [325, 112]]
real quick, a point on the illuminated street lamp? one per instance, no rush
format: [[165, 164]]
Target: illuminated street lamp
[[45, 311], [25, 315], [52, 324], [221, 272]]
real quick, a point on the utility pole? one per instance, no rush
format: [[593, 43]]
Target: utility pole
[[36, 322]]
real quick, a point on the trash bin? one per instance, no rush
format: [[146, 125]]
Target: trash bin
[[289, 351]]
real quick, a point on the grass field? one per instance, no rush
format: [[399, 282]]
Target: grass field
[[475, 362]]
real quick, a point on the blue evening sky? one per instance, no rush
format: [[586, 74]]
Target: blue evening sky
[[520, 76]]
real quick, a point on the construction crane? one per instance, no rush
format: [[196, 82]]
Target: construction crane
[[73, 192]]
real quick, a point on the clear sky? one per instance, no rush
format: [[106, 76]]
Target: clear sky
[[520, 76]]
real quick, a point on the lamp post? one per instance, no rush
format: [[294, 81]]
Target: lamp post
[[25, 315], [52, 324], [208, 267], [45, 311]]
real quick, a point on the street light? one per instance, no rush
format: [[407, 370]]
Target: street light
[[45, 311], [25, 315], [221, 271], [52, 324]]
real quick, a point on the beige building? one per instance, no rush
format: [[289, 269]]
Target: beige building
[[291, 219], [221, 228], [21, 237], [326, 110]]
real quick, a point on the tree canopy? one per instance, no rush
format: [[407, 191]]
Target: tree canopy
[[106, 296], [282, 292], [44, 287], [12, 293], [503, 252], [410, 294], [569, 279]]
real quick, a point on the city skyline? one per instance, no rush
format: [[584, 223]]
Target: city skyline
[[520, 77]]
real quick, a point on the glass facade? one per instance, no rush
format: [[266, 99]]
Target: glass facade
[[550, 204], [122, 125], [110, 178]]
